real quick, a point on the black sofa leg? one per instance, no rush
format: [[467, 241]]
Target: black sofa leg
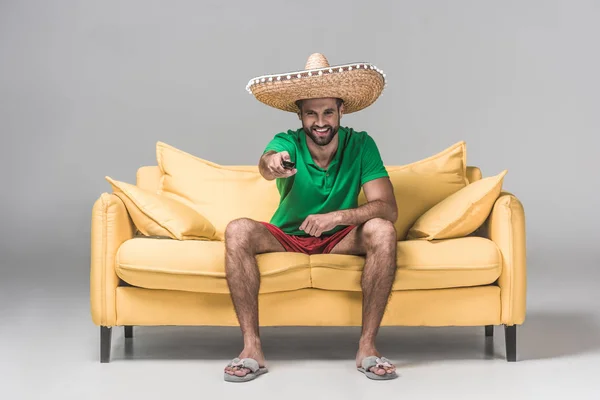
[[489, 330], [105, 342], [510, 335], [128, 331]]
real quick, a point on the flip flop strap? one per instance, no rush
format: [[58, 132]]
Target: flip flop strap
[[249, 363], [379, 362]]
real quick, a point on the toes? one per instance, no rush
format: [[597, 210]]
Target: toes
[[237, 371], [383, 371], [378, 371], [242, 372]]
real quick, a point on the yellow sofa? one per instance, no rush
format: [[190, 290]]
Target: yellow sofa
[[478, 279]]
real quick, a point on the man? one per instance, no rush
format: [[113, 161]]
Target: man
[[319, 212]]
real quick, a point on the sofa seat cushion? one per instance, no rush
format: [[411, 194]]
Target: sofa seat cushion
[[199, 266], [449, 263]]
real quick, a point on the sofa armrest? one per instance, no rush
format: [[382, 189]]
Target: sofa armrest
[[111, 226], [506, 227]]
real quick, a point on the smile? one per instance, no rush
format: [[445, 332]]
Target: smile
[[321, 132]]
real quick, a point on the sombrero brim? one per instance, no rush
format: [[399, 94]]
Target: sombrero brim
[[357, 84]]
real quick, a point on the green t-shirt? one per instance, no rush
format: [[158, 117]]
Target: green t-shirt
[[313, 190]]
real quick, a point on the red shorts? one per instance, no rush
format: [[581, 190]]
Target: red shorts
[[308, 244]]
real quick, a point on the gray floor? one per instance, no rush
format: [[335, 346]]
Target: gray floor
[[50, 348]]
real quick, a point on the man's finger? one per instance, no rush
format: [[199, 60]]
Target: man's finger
[[310, 228], [318, 231]]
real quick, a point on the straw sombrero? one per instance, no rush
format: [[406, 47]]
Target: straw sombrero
[[357, 84]]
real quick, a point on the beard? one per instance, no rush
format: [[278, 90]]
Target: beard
[[321, 139]]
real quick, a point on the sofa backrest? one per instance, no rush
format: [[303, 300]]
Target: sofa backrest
[[417, 195], [473, 173], [148, 177]]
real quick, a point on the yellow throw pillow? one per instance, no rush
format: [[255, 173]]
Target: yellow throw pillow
[[156, 215], [422, 184], [460, 214], [220, 193]]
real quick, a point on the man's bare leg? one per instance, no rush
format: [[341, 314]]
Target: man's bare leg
[[376, 239], [244, 239]]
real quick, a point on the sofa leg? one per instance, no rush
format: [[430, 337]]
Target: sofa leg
[[510, 335], [489, 330], [128, 331], [105, 339]]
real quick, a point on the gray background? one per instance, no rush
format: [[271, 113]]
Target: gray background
[[88, 87]]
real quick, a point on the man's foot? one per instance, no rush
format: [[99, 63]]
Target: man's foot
[[382, 369], [254, 353]]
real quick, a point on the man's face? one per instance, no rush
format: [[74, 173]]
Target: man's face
[[321, 119]]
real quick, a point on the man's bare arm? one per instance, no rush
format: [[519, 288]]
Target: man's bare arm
[[270, 165], [381, 203], [262, 165]]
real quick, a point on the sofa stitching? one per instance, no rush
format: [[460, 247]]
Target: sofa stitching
[[104, 247], [131, 267], [310, 268], [137, 267], [161, 287], [428, 268], [502, 268], [512, 258]]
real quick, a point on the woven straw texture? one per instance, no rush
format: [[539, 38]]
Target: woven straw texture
[[358, 84]]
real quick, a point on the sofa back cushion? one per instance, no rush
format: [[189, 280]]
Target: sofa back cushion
[[148, 176], [420, 185], [156, 215], [461, 213], [220, 193], [223, 193]]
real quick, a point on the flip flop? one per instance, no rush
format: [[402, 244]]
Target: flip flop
[[249, 363], [379, 362]]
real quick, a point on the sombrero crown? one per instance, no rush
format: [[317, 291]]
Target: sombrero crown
[[357, 84]]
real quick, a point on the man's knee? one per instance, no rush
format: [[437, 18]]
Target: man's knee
[[238, 231], [379, 232]]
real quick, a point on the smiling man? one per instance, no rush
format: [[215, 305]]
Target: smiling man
[[318, 211]]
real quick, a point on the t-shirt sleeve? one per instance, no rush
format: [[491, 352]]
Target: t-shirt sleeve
[[282, 142], [371, 162]]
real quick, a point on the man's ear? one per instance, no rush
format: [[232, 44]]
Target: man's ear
[[341, 110]]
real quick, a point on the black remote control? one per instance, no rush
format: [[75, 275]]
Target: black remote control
[[288, 164]]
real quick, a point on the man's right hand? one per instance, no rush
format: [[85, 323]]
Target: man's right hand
[[272, 166]]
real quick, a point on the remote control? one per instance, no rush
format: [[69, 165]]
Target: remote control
[[288, 164]]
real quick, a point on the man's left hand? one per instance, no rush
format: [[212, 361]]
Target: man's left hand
[[316, 224]]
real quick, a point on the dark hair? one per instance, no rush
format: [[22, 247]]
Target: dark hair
[[338, 101]]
